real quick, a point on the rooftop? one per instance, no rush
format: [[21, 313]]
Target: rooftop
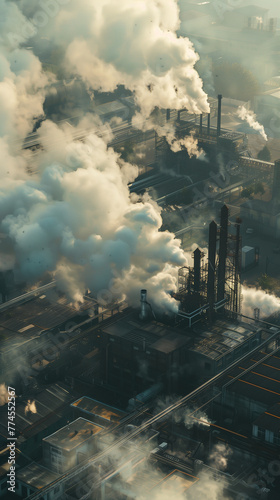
[[93, 407], [36, 476], [155, 335], [74, 434], [222, 339], [47, 407], [27, 318]]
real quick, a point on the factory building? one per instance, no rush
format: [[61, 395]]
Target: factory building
[[139, 353], [70, 445], [216, 349], [37, 415]]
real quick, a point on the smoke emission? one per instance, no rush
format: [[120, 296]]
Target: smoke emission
[[3, 394], [110, 43], [250, 118], [74, 217], [253, 298], [30, 407]]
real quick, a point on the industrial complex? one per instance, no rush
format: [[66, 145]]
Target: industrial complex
[[175, 393]]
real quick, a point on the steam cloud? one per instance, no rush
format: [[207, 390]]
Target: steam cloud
[[3, 394], [110, 43], [250, 118], [30, 407], [75, 218], [252, 298]]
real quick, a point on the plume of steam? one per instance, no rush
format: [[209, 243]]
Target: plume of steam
[[189, 416], [196, 416], [110, 43], [253, 298], [250, 118], [76, 219], [30, 407], [167, 130], [219, 456], [3, 394], [22, 81]]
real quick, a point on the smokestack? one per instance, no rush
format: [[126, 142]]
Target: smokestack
[[219, 119], [208, 123], [222, 253], [211, 264], [200, 124], [167, 115], [237, 267], [197, 267], [276, 183], [144, 310]]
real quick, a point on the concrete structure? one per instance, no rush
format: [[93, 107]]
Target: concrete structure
[[70, 445]]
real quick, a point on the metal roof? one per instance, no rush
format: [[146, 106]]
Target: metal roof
[[49, 405], [155, 335], [93, 407], [36, 476], [223, 338], [74, 434]]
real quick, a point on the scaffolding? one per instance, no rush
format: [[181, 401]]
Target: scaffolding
[[214, 285]]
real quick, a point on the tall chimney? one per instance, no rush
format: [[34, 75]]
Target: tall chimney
[[211, 264], [237, 266], [219, 119], [208, 123], [222, 253], [197, 268], [276, 183], [200, 124], [144, 310]]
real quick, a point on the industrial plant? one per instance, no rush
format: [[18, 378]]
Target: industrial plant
[[139, 250]]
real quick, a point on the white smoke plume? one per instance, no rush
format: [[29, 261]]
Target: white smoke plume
[[3, 394], [253, 298], [189, 415], [30, 407], [167, 130], [22, 81], [206, 487], [76, 218], [111, 42], [250, 118], [219, 456]]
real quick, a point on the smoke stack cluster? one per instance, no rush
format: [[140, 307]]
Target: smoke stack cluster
[[219, 118]]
